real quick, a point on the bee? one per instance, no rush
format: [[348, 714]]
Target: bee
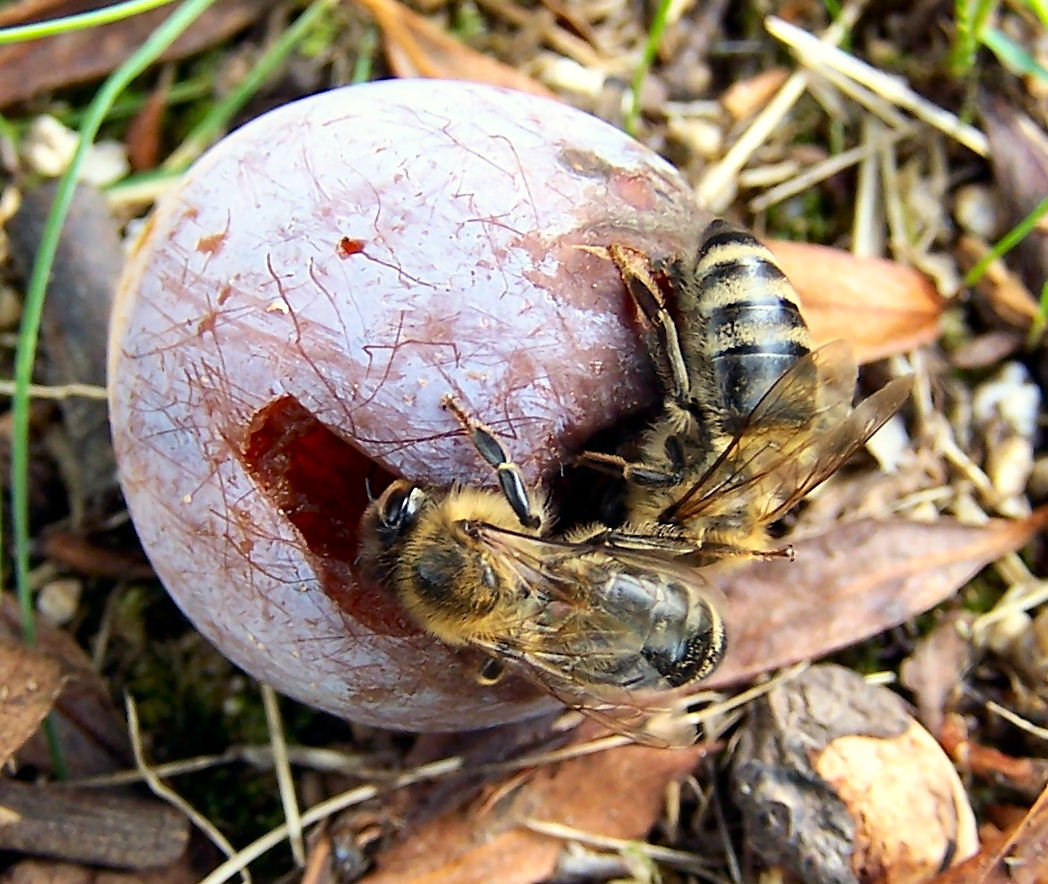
[[608, 626], [753, 417]]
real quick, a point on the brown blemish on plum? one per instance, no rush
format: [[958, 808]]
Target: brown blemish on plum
[[347, 247], [585, 163], [212, 243], [315, 479], [207, 323], [634, 190]]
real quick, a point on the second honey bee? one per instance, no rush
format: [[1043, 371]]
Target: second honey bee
[[753, 417], [606, 628]]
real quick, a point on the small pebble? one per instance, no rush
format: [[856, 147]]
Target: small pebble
[[58, 600]]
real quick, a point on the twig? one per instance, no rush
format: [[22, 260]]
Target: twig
[[818, 54], [714, 191], [259, 756], [170, 795], [325, 809], [1017, 720], [821, 171], [58, 391], [867, 225], [282, 768], [678, 859]]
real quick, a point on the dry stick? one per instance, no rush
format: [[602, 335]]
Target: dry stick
[[677, 859], [818, 54], [321, 759], [741, 699], [325, 809], [770, 175], [564, 42], [820, 172], [283, 771], [867, 233], [873, 102], [714, 190], [60, 391], [895, 213], [1018, 598], [1017, 720], [170, 795]]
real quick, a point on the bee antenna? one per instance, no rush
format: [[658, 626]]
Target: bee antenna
[[367, 484]]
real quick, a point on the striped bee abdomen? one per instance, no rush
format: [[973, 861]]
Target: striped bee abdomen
[[743, 321]]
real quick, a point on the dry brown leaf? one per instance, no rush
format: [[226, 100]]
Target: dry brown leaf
[[936, 667], [617, 793], [1019, 858], [1003, 292], [146, 129], [29, 683], [73, 330], [416, 47], [987, 350], [1019, 155], [91, 733], [881, 308], [27, 69], [746, 97], [850, 582]]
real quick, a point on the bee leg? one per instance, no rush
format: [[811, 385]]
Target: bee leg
[[636, 272], [640, 473], [493, 451]]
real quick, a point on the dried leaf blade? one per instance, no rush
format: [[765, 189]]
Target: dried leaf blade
[[881, 308], [779, 612], [30, 682]]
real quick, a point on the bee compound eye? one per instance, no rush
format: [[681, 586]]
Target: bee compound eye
[[399, 506]]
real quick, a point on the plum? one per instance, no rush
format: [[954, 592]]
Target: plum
[[293, 314]]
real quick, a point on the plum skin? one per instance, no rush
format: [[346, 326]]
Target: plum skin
[[295, 310]]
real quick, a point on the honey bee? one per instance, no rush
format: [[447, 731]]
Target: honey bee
[[753, 417], [607, 624]]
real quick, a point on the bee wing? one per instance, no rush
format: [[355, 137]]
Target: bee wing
[[650, 720], [575, 638], [765, 470]]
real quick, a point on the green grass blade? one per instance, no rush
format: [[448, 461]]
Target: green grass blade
[[80, 22], [970, 17], [217, 120], [365, 61], [1039, 321], [651, 46], [1007, 242], [28, 332], [1012, 55], [1040, 9]]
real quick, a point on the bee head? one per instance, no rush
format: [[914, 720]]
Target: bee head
[[396, 510]]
